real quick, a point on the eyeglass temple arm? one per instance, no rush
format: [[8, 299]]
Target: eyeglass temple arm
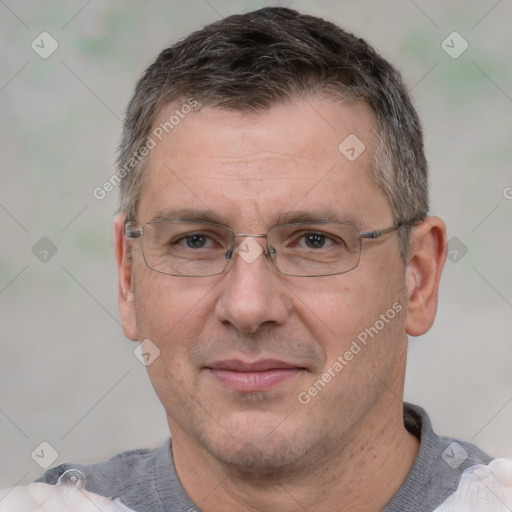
[[132, 233], [379, 232]]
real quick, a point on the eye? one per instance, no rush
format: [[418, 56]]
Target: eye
[[195, 241], [315, 240]]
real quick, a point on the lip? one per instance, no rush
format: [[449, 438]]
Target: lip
[[256, 376], [236, 365]]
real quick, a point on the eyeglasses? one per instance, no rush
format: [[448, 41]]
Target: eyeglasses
[[203, 249]]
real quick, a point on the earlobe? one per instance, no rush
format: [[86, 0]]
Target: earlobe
[[124, 271], [427, 254]]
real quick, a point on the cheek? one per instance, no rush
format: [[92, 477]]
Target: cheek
[[172, 314], [170, 310], [327, 310], [382, 305], [351, 305]]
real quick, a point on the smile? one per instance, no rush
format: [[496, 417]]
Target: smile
[[253, 377]]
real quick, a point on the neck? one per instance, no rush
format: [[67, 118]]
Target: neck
[[363, 474]]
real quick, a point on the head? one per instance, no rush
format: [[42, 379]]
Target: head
[[262, 104], [247, 63]]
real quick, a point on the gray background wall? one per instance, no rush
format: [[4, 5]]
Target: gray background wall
[[68, 377]]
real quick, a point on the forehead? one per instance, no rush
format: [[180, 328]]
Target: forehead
[[310, 153]]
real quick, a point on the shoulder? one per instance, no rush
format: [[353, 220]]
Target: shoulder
[[483, 487], [143, 480], [460, 455], [445, 452], [119, 475], [438, 467]]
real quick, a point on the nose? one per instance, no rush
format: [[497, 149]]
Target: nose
[[252, 294]]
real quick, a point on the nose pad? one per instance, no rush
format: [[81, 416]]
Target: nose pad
[[271, 251], [249, 249]]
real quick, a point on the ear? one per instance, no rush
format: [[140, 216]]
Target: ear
[[427, 254], [124, 271]]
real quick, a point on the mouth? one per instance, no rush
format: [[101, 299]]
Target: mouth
[[253, 377]]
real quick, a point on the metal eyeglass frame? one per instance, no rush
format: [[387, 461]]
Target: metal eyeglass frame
[[133, 234]]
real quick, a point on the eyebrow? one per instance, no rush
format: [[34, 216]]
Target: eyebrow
[[291, 217], [322, 215], [187, 214]]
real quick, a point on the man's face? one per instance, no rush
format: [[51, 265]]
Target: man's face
[[241, 351]]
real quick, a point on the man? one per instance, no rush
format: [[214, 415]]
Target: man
[[274, 252]]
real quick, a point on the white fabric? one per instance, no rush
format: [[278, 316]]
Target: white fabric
[[483, 489], [65, 496]]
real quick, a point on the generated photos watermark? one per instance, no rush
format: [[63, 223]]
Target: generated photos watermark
[[152, 141], [356, 347]]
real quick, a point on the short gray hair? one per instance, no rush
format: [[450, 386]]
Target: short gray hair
[[252, 61]]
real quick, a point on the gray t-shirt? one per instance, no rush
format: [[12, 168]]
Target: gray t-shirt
[[146, 480]]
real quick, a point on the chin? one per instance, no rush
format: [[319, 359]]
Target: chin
[[260, 457], [260, 452]]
